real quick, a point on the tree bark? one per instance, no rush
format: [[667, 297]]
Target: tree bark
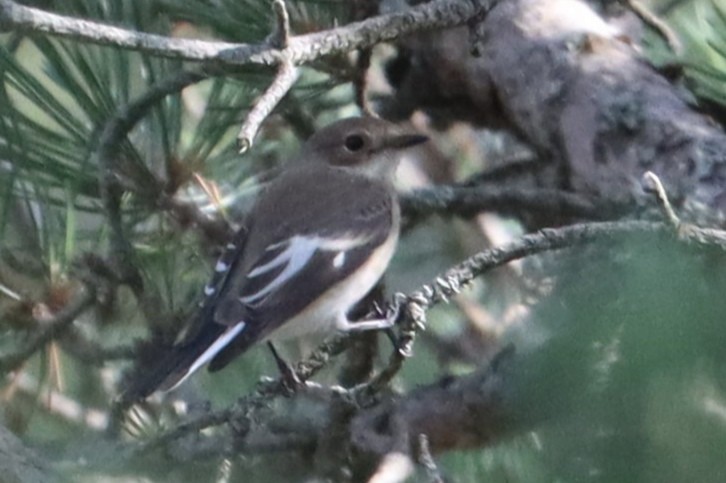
[[573, 87]]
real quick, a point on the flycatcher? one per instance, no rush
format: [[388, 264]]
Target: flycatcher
[[317, 240]]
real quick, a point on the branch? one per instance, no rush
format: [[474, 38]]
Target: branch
[[468, 201], [451, 282], [282, 34], [657, 24], [454, 412], [654, 183], [264, 391], [62, 406], [415, 306], [301, 49], [426, 460], [215, 230], [49, 329], [286, 76]]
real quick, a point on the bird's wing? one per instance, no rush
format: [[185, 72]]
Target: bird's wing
[[293, 270]]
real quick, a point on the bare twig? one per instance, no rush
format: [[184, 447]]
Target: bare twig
[[301, 49], [651, 19], [653, 182], [49, 329], [264, 391], [214, 230], [360, 82], [453, 280], [286, 76], [62, 406], [426, 460], [282, 33], [361, 10]]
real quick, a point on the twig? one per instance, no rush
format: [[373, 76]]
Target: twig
[[360, 82], [282, 33], [264, 391], [49, 329], [286, 76], [58, 404], [653, 182], [215, 230], [651, 19], [453, 280], [426, 460], [301, 49], [224, 472], [10, 293]]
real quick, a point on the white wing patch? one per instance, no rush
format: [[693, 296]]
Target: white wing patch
[[212, 351], [299, 251]]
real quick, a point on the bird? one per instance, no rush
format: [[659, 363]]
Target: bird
[[316, 241]]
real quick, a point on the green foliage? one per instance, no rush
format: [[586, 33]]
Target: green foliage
[[625, 371], [701, 27]]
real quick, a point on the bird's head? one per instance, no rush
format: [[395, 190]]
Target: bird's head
[[365, 144]]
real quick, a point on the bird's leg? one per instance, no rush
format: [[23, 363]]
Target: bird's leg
[[393, 338], [289, 377]]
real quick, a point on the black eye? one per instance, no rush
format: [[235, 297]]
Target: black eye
[[354, 142]]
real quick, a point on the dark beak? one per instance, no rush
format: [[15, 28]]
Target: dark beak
[[404, 141]]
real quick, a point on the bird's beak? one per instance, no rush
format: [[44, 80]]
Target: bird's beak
[[403, 141]]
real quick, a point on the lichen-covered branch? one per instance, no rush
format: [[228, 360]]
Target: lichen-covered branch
[[413, 309], [471, 200], [300, 49], [286, 76]]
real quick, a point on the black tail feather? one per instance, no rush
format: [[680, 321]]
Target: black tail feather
[[163, 368]]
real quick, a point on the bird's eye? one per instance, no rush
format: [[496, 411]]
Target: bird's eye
[[354, 142]]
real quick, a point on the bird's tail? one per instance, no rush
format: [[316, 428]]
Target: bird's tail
[[179, 362]]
